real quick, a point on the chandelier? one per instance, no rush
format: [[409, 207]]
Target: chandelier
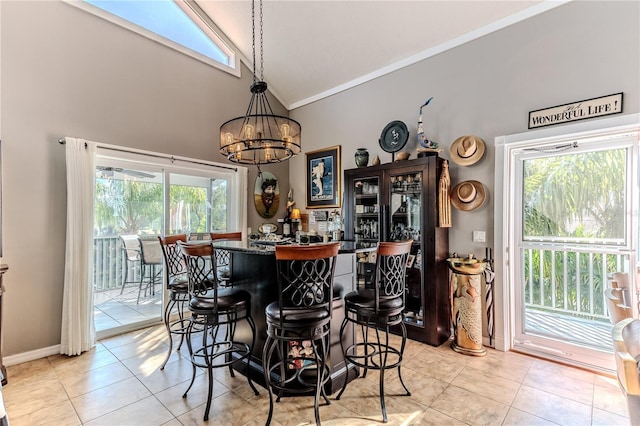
[[260, 136]]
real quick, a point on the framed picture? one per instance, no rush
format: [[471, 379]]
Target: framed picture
[[323, 178]]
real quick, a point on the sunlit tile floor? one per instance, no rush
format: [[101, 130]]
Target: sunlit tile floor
[[119, 383]]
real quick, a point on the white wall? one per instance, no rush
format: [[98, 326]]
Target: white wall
[[486, 88], [68, 73]]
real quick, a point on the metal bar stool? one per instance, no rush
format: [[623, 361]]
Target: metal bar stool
[[214, 313], [299, 323], [177, 283], [379, 308], [223, 257]]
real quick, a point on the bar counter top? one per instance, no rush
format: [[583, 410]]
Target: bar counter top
[[268, 247]]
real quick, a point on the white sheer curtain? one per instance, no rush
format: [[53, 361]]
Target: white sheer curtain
[[78, 329], [239, 200]]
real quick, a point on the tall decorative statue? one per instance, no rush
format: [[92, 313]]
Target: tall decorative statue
[[466, 314], [444, 199], [425, 143]]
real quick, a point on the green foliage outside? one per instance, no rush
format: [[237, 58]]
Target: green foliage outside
[[577, 199], [136, 207]]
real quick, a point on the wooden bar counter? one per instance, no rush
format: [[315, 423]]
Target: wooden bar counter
[[253, 268]]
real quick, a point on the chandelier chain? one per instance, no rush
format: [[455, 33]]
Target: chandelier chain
[[261, 48], [253, 40]]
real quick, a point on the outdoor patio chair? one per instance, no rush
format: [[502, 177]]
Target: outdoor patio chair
[[151, 264], [131, 256]]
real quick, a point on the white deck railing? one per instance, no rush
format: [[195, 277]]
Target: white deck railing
[[109, 264], [569, 281]]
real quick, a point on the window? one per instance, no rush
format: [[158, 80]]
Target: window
[[179, 24]]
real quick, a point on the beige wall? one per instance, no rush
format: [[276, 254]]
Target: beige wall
[[486, 88], [68, 73]]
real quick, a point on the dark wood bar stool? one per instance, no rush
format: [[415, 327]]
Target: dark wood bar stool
[[300, 317], [177, 283], [379, 308], [214, 313], [223, 257]]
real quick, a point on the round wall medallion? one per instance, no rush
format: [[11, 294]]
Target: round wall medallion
[[266, 194], [394, 136]]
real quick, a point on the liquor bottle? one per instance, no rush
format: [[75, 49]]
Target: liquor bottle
[[286, 226]]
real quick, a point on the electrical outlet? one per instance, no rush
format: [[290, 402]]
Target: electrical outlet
[[479, 237]]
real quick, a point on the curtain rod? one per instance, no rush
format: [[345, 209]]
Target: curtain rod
[[62, 141]]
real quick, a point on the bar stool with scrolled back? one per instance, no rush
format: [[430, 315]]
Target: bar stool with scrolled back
[[379, 308], [214, 313], [301, 318], [223, 257], [177, 283]]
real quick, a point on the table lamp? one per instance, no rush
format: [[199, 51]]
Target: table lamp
[[295, 217]]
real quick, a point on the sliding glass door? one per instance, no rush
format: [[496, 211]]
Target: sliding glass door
[[128, 217], [135, 202]]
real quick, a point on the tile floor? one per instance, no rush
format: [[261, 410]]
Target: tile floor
[[119, 383]]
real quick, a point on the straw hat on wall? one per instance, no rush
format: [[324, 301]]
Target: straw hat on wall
[[468, 195], [467, 150]]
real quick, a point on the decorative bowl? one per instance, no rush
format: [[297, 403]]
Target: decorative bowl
[[402, 155], [466, 266]]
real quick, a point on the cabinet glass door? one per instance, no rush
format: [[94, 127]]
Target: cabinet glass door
[[405, 223], [367, 211]]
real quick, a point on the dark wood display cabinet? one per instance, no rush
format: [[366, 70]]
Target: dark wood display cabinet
[[399, 201]]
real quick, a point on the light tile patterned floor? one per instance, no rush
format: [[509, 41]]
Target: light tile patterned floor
[[119, 383]]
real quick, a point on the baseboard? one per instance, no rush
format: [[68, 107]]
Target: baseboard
[[31, 355]]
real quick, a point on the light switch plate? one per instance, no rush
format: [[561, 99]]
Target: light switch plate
[[479, 237]]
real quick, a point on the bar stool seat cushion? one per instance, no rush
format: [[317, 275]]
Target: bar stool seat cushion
[[179, 284], [229, 300], [301, 318], [364, 302]]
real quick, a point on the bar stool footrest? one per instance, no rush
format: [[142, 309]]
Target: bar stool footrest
[[219, 349], [366, 355]]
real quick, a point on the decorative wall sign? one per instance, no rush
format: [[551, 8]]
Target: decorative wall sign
[[321, 215], [589, 108]]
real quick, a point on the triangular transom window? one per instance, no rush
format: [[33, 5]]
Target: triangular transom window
[[179, 24]]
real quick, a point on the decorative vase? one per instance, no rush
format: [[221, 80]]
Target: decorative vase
[[362, 157], [376, 161]]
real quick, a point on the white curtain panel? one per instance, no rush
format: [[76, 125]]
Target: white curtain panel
[[241, 181], [78, 329]]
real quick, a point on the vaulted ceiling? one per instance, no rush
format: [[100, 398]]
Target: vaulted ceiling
[[313, 49]]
